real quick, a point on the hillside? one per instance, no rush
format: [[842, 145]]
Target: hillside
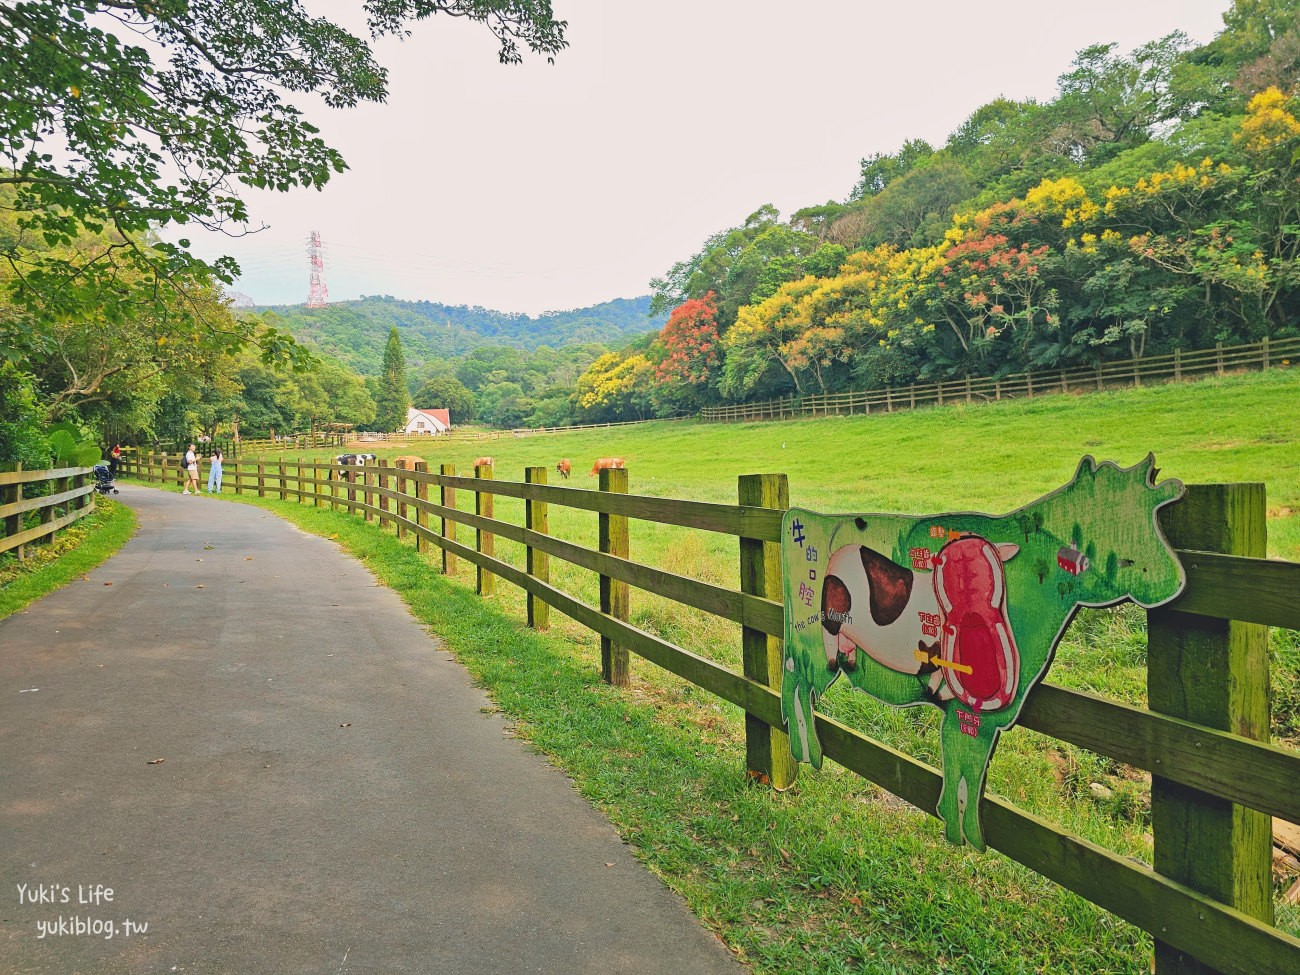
[[355, 331]]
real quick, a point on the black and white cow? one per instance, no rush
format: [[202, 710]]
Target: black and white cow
[[348, 461]]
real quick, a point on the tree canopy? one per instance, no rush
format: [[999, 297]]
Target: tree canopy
[[124, 117]]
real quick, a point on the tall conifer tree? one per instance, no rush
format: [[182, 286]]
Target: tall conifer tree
[[393, 399]]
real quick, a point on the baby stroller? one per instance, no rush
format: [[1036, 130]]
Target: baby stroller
[[103, 479]]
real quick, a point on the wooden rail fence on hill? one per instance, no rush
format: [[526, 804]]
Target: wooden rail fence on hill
[[1133, 372], [70, 497], [1216, 781]]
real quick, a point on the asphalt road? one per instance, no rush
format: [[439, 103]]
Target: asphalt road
[[275, 769]]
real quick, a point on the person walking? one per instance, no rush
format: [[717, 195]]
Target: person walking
[[191, 471], [214, 473]]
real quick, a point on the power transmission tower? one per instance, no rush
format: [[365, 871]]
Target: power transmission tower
[[318, 296]]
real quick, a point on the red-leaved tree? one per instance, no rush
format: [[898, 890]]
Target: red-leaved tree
[[690, 353]]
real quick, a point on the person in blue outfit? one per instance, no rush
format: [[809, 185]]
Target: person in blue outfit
[[214, 473]]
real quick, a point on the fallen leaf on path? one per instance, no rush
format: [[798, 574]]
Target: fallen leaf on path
[[346, 724], [208, 548], [108, 583], [609, 864], [156, 761], [199, 586], [248, 558]]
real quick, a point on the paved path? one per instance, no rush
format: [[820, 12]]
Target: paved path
[[273, 766]]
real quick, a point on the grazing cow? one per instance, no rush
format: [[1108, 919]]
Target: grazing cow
[[407, 461], [482, 461], [348, 461], [607, 464], [964, 611], [564, 467]]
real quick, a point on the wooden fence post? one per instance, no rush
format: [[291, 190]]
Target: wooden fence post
[[239, 481], [14, 523], [767, 749], [400, 486], [1213, 672], [421, 513], [284, 494], [537, 563], [484, 542], [47, 512], [381, 476], [367, 499], [614, 596], [261, 479], [448, 499]]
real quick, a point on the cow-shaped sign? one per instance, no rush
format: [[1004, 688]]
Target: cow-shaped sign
[[963, 611]]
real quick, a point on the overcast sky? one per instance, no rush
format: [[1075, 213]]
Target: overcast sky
[[545, 187]]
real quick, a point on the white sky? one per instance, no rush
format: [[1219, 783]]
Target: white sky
[[542, 187]]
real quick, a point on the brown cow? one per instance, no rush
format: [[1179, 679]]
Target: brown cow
[[564, 467], [482, 461], [606, 463], [407, 461]]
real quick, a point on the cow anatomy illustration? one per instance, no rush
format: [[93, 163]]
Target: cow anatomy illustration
[[964, 611]]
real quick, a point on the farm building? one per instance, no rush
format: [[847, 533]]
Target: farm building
[[427, 421]]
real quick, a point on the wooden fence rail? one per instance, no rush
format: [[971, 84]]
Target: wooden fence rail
[[69, 497], [1174, 367], [1216, 780]]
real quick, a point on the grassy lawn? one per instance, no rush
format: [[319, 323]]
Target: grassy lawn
[[76, 550], [835, 875]]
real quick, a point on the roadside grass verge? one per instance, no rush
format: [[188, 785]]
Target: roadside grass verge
[[78, 549], [832, 876]]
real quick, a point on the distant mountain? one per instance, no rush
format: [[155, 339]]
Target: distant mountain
[[355, 331]]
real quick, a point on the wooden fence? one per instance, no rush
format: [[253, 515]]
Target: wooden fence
[[1207, 898], [1132, 372], [70, 496], [477, 435]]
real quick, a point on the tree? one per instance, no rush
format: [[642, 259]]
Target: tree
[[21, 420], [617, 386], [690, 354], [923, 199], [881, 169], [740, 266], [393, 400], [121, 117], [447, 393], [1109, 101]]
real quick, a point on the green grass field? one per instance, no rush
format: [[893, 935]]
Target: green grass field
[[835, 875]]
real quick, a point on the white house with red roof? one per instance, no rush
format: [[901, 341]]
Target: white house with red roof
[[427, 421]]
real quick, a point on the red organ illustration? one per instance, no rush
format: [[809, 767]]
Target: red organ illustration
[[970, 584]]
